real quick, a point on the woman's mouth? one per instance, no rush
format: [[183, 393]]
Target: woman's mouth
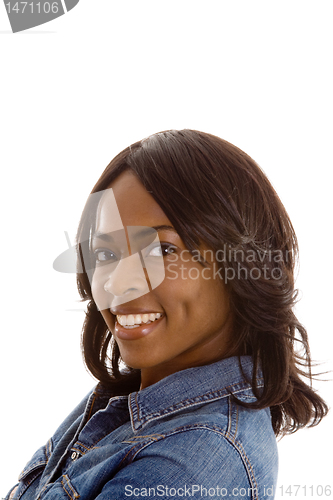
[[135, 320], [134, 326]]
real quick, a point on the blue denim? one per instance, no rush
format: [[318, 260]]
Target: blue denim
[[184, 436]]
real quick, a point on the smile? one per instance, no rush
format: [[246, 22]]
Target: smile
[[136, 326], [135, 320]]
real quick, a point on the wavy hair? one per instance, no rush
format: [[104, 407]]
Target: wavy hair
[[213, 192]]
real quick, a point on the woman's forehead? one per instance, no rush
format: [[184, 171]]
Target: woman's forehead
[[126, 202]]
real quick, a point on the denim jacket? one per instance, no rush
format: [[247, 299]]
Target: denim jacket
[[184, 436]]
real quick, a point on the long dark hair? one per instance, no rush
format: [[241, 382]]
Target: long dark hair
[[213, 192]]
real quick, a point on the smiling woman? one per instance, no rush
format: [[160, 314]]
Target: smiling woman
[[186, 260], [193, 327]]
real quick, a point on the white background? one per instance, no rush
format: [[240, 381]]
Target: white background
[[75, 92]]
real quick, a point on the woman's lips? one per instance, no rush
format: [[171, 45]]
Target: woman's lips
[[136, 333]]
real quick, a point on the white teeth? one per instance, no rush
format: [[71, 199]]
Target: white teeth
[[130, 319], [145, 318], [137, 319]]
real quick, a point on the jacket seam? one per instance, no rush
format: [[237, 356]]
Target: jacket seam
[[137, 406], [92, 405], [48, 449], [152, 437], [28, 482], [78, 443], [248, 468], [75, 494], [185, 403], [133, 439], [234, 443], [232, 417], [237, 414], [32, 467], [229, 417]]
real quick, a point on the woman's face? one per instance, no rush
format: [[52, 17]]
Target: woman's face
[[194, 326]]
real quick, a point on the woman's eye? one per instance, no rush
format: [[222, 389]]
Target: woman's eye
[[162, 250], [104, 255]]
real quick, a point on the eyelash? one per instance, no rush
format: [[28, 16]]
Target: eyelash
[[164, 246], [100, 250]]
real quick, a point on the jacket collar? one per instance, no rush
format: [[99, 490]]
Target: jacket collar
[[190, 387]]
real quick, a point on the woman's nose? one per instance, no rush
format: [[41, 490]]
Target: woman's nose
[[127, 281]]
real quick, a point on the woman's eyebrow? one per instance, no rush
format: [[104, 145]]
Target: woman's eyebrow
[[102, 236], [108, 236], [164, 227]]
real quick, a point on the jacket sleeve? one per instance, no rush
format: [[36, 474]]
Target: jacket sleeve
[[11, 492], [31, 473], [46, 457]]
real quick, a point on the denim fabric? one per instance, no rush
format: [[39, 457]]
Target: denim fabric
[[184, 436]]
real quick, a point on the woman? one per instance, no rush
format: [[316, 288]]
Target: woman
[[186, 259]]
